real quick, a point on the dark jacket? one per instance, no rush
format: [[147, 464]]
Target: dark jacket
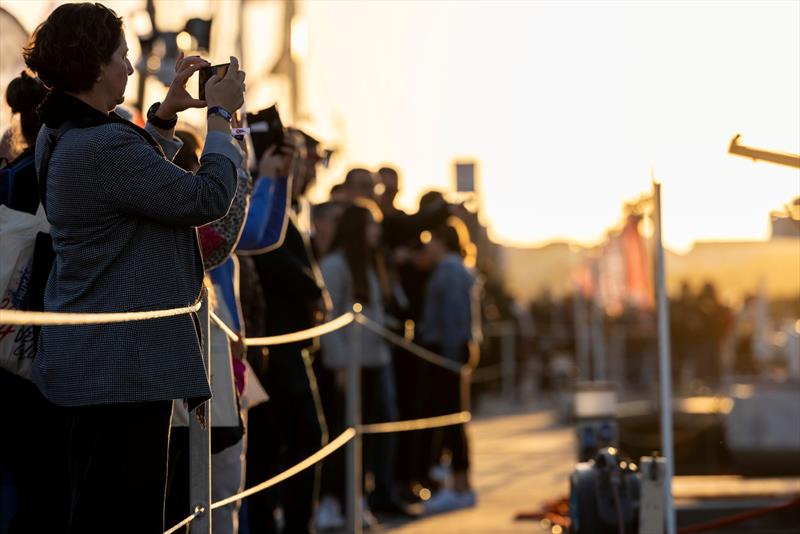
[[289, 285], [123, 221], [291, 292]]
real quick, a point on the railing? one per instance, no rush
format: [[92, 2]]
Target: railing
[[200, 432]]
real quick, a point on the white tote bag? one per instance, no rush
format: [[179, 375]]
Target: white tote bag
[[224, 406], [17, 240]]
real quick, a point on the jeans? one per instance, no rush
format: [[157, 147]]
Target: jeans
[[378, 405]]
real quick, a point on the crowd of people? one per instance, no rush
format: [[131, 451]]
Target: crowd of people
[[154, 217], [712, 341]]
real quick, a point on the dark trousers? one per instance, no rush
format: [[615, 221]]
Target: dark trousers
[[118, 467], [378, 405], [281, 432], [451, 395], [424, 401], [34, 447], [177, 505], [410, 467]]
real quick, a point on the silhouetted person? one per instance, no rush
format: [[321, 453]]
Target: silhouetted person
[[286, 429], [448, 327], [354, 272], [359, 183], [123, 221], [713, 320]]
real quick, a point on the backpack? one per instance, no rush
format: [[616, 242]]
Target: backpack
[[11, 187]]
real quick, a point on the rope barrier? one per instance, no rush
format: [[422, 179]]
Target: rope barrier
[[233, 336], [338, 443], [416, 424], [302, 335], [343, 439], [186, 521], [415, 349], [321, 454], [19, 317]]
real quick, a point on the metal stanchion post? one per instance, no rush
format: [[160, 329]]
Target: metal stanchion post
[[597, 329], [508, 360], [664, 358], [354, 466], [200, 442], [581, 338]]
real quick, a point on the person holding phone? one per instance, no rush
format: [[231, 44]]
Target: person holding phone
[[123, 222]]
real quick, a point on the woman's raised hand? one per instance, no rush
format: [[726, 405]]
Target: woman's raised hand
[[227, 92], [277, 161], [178, 98]]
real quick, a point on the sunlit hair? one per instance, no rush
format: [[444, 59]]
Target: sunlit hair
[[454, 235], [372, 206], [351, 240]]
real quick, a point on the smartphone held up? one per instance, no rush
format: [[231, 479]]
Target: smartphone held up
[[206, 74]]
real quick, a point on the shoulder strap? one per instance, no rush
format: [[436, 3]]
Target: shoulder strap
[[141, 132], [52, 139]]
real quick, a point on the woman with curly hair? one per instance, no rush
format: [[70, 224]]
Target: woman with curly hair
[[123, 222]]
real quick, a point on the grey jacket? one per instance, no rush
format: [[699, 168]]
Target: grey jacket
[[337, 346], [123, 224]]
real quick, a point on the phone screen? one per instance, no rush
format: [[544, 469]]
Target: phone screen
[[207, 73]]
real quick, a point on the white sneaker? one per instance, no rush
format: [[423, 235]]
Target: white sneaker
[[447, 500], [467, 499], [443, 501], [329, 514]]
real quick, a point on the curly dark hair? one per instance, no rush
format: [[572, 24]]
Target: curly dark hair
[[68, 48]]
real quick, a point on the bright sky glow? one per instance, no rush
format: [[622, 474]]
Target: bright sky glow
[[567, 106]]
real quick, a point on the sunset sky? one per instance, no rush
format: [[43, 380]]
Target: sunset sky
[[566, 106]]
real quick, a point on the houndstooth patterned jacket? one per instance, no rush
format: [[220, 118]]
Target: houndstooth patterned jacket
[[123, 224]]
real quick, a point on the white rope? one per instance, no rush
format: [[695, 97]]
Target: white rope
[[326, 451], [19, 317], [341, 321], [184, 522], [416, 424], [233, 336], [341, 441], [423, 353]]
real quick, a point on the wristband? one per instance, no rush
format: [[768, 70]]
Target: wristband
[[222, 112]]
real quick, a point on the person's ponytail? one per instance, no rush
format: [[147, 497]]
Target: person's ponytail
[[24, 94]]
